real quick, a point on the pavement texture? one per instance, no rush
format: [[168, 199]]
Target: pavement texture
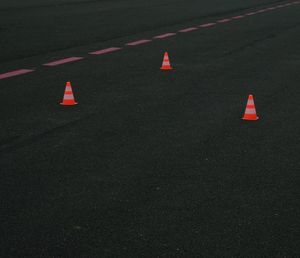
[[150, 163]]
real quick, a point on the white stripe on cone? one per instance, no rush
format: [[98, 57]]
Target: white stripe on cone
[[250, 111], [68, 96]]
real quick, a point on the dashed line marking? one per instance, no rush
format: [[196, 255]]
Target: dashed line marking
[[207, 25], [144, 41], [237, 17], [224, 20], [261, 11], [64, 61], [188, 29], [15, 73], [138, 42], [163, 36], [105, 51]]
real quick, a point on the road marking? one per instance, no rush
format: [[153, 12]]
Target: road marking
[[261, 11], [238, 17], [207, 25], [251, 13], [163, 36], [188, 29], [138, 42], [15, 73], [105, 51], [144, 41], [64, 61], [224, 20]]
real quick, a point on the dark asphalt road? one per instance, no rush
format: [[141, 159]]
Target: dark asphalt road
[[150, 163]]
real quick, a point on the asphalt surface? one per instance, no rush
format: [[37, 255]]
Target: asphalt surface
[[150, 163]]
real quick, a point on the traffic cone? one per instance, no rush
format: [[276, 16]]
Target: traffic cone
[[250, 112], [166, 63], [68, 96]]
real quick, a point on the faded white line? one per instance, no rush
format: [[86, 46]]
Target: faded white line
[[15, 73], [138, 42], [64, 61], [188, 29], [166, 35], [105, 51]]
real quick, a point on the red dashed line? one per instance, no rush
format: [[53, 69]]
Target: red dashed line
[[64, 61], [224, 20], [105, 51], [251, 13], [15, 73], [188, 29], [238, 17], [144, 41], [138, 42], [163, 36], [261, 11], [207, 25]]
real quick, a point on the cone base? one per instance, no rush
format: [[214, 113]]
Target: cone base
[[166, 68], [250, 119], [68, 104]]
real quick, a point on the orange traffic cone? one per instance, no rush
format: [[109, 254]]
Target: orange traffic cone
[[166, 63], [250, 112], [68, 96]]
